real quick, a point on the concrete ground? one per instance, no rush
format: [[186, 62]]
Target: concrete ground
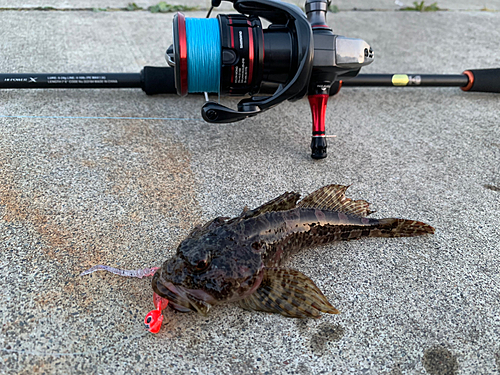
[[116, 177], [380, 5]]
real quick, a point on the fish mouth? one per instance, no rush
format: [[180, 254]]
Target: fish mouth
[[191, 299]]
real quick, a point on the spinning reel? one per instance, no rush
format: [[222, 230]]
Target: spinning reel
[[296, 55], [293, 57]]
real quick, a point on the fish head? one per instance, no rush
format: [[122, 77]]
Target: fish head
[[208, 270]]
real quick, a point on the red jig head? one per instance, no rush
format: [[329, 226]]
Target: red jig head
[[153, 321], [154, 318]]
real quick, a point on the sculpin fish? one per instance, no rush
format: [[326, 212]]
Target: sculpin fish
[[240, 259]]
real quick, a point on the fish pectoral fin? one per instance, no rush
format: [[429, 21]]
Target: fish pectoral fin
[[289, 293], [332, 198], [284, 202]]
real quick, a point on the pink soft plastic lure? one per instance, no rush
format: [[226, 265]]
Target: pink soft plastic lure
[[154, 318], [145, 272]]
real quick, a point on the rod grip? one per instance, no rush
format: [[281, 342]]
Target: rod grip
[[483, 80], [158, 80]]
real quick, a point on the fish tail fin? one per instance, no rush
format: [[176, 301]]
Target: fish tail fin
[[400, 228]]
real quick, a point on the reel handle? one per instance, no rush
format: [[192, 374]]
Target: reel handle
[[318, 104], [217, 113]]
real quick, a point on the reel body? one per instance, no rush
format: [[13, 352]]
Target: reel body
[[296, 55]]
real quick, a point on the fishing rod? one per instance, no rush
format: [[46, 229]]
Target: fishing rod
[[234, 55], [161, 80]]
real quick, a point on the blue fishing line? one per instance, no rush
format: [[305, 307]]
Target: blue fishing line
[[203, 54], [103, 117]]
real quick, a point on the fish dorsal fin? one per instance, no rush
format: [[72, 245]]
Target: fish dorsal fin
[[284, 202], [199, 230], [332, 198], [289, 293]]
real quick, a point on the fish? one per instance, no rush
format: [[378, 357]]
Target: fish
[[241, 259]]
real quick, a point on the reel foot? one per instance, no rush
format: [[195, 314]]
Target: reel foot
[[318, 147]]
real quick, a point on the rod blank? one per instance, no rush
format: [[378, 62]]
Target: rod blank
[[69, 80], [446, 80]]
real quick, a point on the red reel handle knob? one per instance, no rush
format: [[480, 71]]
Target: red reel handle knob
[[318, 104]]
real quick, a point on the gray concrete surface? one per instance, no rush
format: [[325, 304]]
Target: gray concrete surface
[[64, 4], [80, 187], [493, 5]]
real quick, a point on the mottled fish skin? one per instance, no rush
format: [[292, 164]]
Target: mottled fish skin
[[237, 259], [281, 234], [215, 266]]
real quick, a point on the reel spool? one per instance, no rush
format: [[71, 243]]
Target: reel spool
[[198, 38], [252, 60], [294, 56]]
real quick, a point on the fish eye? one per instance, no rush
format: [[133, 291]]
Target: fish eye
[[148, 320], [201, 265]]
